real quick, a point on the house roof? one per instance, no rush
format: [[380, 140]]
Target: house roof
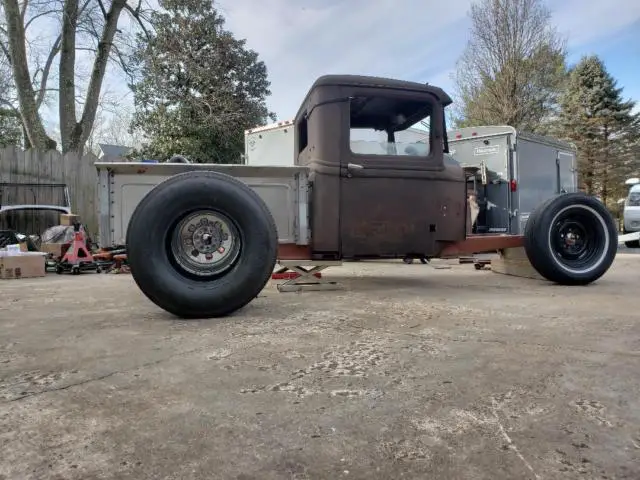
[[114, 150]]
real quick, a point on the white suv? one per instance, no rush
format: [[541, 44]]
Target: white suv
[[631, 215]]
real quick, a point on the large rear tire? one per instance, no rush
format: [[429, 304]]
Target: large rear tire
[[201, 245], [571, 239]]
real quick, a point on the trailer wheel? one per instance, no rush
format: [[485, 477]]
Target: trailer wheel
[[201, 245], [571, 239]]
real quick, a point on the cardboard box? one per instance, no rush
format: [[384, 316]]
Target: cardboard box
[[68, 219], [56, 249], [25, 265]]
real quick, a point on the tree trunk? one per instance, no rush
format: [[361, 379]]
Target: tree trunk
[[605, 166], [588, 181], [27, 144], [34, 128], [78, 132], [67, 81]]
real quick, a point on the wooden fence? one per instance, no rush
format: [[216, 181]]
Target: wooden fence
[[42, 169]]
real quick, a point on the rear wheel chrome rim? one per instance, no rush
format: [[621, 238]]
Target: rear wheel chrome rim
[[205, 243]]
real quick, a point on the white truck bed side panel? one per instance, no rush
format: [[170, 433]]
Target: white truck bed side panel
[[123, 186]]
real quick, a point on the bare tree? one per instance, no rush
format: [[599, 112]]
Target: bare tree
[[89, 29], [113, 126], [513, 68], [6, 83], [10, 124]]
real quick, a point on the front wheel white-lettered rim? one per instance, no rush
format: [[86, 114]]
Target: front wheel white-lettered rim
[[603, 250]]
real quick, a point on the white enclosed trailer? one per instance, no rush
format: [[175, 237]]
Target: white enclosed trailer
[[521, 170], [270, 145]]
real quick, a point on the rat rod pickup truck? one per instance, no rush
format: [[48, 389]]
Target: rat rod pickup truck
[[204, 242]]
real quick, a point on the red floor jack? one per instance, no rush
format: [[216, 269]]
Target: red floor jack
[[78, 258]]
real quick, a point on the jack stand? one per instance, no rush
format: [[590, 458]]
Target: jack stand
[[77, 258], [307, 278]]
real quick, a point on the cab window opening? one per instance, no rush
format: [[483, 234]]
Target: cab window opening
[[389, 126]]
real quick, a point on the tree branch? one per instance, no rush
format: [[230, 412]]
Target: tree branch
[[137, 15], [39, 15], [11, 107], [47, 68], [123, 63], [5, 51], [102, 9]]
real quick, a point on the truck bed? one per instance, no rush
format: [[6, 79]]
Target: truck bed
[[122, 185]]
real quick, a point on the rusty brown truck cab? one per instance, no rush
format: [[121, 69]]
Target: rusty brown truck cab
[[204, 243], [375, 192]]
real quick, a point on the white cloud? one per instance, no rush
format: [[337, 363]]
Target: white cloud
[[408, 39], [586, 21], [419, 40]]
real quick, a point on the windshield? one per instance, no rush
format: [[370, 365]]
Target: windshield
[[389, 126], [633, 200], [413, 141]]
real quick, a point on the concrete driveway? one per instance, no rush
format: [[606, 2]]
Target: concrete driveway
[[410, 372]]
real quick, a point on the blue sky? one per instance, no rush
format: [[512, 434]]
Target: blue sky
[[409, 39], [419, 40]]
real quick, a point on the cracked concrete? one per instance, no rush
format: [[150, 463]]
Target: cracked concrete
[[410, 372]]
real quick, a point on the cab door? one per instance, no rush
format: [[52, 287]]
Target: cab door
[[390, 193], [383, 211]]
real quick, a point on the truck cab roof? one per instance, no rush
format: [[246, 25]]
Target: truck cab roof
[[380, 82], [374, 110]]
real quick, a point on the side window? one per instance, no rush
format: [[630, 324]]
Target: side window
[[303, 138], [390, 127]]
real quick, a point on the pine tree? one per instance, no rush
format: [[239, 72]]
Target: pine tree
[[601, 124], [198, 88]]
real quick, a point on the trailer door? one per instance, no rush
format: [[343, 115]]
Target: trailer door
[[492, 154], [565, 172]]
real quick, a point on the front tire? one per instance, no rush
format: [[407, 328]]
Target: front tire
[[201, 245], [571, 239]]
